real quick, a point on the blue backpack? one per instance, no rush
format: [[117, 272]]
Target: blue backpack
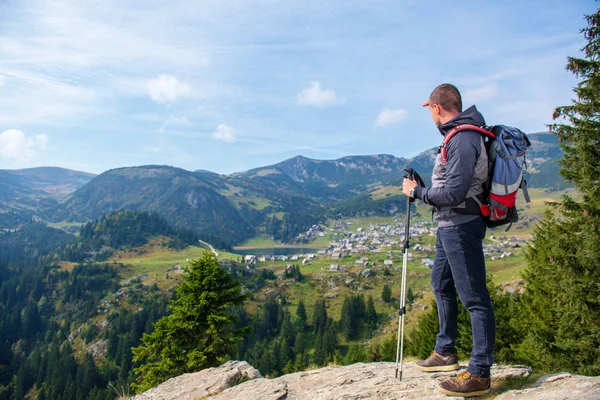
[[506, 147]]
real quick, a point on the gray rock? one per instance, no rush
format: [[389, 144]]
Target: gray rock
[[236, 380], [559, 386], [201, 384], [353, 382]]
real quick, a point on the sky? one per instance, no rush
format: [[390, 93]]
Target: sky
[[231, 85]]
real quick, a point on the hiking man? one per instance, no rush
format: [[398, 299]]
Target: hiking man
[[459, 264]]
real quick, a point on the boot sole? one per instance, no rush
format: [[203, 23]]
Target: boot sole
[[440, 368], [469, 394]]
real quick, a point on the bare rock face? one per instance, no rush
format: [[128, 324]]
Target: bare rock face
[[237, 380], [559, 386], [202, 384], [353, 382]]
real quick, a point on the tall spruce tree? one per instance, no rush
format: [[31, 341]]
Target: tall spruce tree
[[320, 316], [560, 310], [301, 317], [199, 332]]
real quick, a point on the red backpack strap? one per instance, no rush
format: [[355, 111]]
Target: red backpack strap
[[458, 129]]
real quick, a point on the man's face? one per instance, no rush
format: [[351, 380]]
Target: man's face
[[434, 110]]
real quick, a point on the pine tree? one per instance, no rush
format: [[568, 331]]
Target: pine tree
[[301, 318], [371, 314], [560, 310], [386, 294], [320, 355], [320, 316], [287, 330], [198, 333], [410, 297], [349, 320], [329, 339]]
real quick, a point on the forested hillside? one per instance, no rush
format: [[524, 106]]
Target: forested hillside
[[278, 201]]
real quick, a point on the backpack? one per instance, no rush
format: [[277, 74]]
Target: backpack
[[506, 147]]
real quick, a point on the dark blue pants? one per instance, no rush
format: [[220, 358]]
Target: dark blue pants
[[459, 266]]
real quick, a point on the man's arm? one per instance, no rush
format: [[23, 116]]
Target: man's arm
[[462, 153]]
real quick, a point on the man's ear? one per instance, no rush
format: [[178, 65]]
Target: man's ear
[[437, 109]]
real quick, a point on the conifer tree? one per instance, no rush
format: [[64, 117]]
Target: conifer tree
[[320, 316], [348, 320], [320, 355], [560, 309], [329, 339], [301, 318], [199, 331], [386, 294], [371, 314]]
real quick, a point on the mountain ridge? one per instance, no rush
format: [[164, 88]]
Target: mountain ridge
[[279, 200]]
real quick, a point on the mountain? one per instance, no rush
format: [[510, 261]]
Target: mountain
[[341, 177], [34, 188], [542, 162], [283, 199], [279, 200], [186, 198]]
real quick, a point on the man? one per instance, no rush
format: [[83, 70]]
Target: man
[[459, 264]]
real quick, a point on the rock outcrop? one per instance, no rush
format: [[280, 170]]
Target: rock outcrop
[[559, 386], [237, 380], [202, 384]]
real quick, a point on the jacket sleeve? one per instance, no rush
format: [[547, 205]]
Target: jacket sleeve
[[462, 153]]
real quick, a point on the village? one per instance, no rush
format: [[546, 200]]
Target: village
[[388, 239]]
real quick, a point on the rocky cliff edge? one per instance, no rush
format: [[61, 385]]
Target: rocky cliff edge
[[238, 380]]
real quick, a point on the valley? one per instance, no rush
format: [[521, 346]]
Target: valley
[[307, 237]]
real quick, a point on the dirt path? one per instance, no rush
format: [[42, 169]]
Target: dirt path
[[210, 247]]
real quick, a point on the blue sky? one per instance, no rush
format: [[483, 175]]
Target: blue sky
[[230, 85]]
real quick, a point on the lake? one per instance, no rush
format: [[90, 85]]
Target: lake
[[277, 251]]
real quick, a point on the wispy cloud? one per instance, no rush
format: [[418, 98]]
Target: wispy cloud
[[167, 89], [114, 76], [314, 95], [389, 116], [15, 145], [225, 133], [476, 95]]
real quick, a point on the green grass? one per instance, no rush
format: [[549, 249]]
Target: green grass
[[506, 270], [63, 224], [381, 192], [234, 194], [156, 261]]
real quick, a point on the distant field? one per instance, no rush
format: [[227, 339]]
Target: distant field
[[381, 192], [63, 224]]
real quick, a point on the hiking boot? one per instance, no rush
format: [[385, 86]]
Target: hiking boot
[[465, 385], [439, 363]]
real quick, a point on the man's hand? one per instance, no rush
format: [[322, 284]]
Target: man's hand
[[408, 185]]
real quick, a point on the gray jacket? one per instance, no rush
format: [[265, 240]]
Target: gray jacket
[[456, 183]]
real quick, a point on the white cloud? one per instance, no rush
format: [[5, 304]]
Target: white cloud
[[167, 89], [389, 116], [15, 145], [313, 95], [472, 96], [225, 133]]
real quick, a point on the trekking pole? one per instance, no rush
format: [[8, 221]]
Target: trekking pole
[[412, 175]]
